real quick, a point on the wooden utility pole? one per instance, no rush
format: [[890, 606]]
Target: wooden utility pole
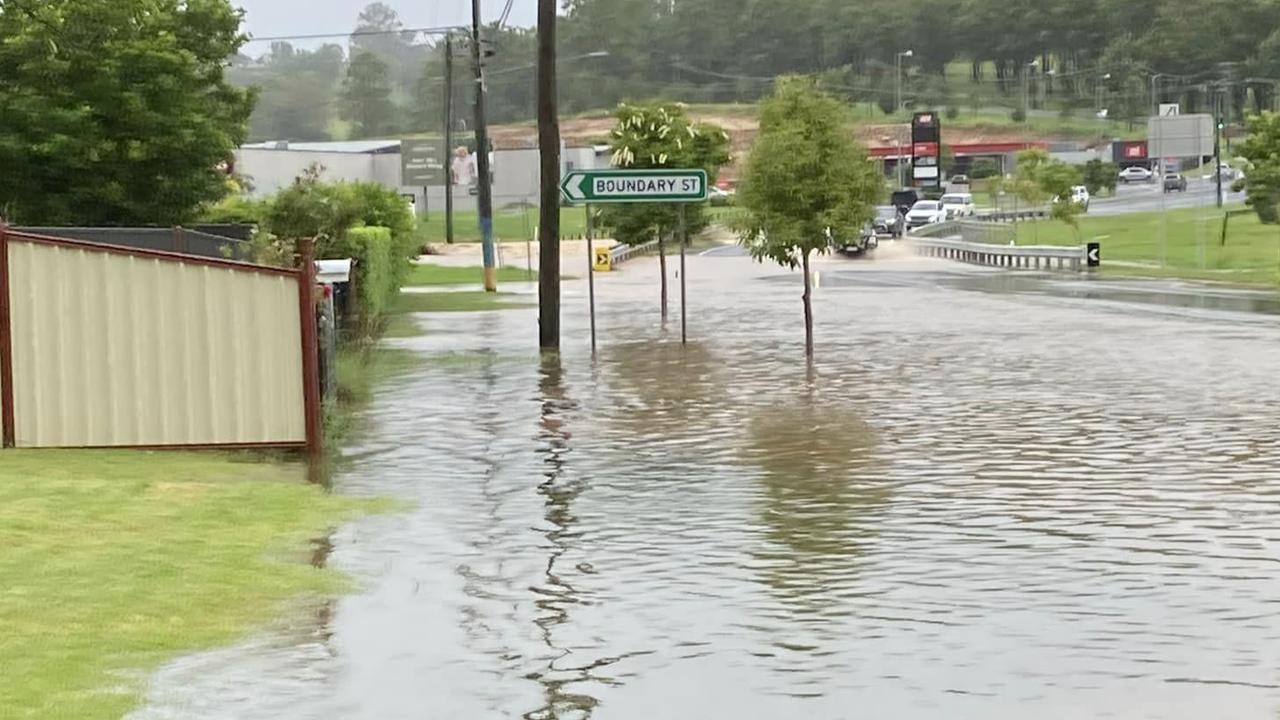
[[484, 196], [448, 139], [549, 194]]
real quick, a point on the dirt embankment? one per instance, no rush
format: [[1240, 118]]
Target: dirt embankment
[[742, 128]]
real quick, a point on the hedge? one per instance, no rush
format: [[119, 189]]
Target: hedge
[[376, 276]]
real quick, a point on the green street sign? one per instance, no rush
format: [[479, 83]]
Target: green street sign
[[422, 162], [634, 186]]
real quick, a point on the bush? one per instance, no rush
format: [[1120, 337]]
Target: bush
[[983, 168], [1018, 115], [377, 280], [953, 112]]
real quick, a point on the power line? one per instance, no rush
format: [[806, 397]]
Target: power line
[[438, 30]]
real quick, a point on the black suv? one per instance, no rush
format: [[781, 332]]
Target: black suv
[[905, 199]]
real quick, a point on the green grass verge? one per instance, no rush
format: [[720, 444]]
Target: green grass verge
[[114, 562], [457, 302], [1192, 247], [424, 275], [509, 225]]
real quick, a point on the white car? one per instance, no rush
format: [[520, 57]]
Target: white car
[[1080, 196], [958, 205], [1137, 173], [925, 212]]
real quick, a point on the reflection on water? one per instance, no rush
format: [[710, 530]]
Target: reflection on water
[[972, 505]]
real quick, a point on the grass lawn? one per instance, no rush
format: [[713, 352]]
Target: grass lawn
[[114, 562], [1192, 246], [424, 275], [509, 225], [457, 302]]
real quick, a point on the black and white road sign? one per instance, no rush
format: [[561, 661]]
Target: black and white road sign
[[1093, 254]]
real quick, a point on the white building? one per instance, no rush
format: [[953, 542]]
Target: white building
[[271, 166]]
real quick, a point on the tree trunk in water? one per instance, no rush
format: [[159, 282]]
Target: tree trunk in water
[[662, 265], [808, 310]]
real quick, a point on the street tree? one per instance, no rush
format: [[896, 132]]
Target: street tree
[[366, 96], [1262, 150], [1041, 180], [1099, 176], [661, 135], [116, 112], [806, 182]]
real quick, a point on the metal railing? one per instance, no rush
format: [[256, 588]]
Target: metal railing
[[999, 216], [1029, 257], [623, 253]]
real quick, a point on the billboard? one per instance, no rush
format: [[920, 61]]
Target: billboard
[[1180, 136], [926, 150]]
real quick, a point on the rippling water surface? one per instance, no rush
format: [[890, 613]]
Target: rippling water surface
[[972, 505]]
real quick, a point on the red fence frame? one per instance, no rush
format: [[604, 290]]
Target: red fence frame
[[305, 275]]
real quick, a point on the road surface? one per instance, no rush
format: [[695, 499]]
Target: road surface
[[990, 496]]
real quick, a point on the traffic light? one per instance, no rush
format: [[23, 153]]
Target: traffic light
[[1221, 125]]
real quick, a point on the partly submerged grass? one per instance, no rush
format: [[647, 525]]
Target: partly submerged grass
[[427, 274], [457, 302], [114, 561], [1185, 243]]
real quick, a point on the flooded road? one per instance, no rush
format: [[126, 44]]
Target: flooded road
[[979, 502]]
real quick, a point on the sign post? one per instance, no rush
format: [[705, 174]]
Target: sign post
[[609, 186], [422, 164]]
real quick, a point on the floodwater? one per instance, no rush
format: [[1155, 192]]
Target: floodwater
[[980, 501]]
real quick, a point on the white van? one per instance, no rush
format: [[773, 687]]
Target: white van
[[958, 205]]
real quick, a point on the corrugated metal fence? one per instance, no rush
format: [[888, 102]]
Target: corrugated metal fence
[[108, 346]]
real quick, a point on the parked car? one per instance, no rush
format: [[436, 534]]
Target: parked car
[[925, 212], [905, 199], [1136, 173], [887, 222], [1174, 181], [721, 197], [958, 205], [959, 180]]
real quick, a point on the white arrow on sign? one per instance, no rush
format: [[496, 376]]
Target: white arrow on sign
[[573, 188], [1093, 255]]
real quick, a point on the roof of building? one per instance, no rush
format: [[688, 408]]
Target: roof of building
[[372, 147]]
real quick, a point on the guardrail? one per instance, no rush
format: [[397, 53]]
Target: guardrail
[[1011, 215], [623, 253], [1030, 257]]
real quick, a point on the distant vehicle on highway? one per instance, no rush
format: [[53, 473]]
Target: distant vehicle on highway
[[1174, 181], [1136, 173], [1229, 174], [888, 221], [959, 180], [958, 205], [1079, 195], [925, 212]]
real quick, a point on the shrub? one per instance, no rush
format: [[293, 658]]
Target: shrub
[[953, 112], [1018, 115], [982, 169], [377, 280]]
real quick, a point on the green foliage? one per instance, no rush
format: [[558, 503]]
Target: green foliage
[[1262, 151], [366, 96], [116, 112], [1040, 179], [1018, 115], [983, 168], [1099, 176], [661, 135], [377, 277], [805, 177]]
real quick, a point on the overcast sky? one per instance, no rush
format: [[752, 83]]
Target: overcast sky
[[272, 18]]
